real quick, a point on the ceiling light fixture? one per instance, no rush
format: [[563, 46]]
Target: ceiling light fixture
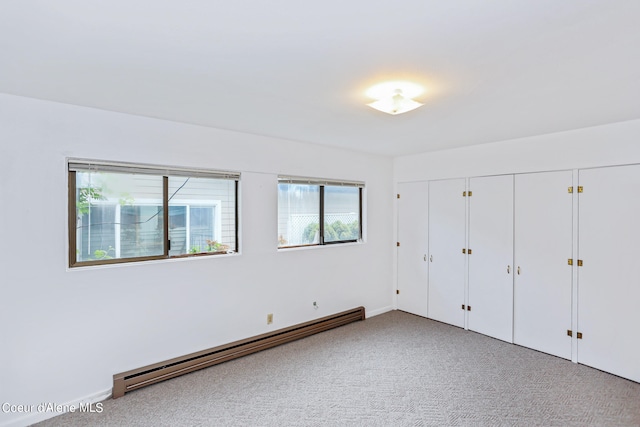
[[395, 97]]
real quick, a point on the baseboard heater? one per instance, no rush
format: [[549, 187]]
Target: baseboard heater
[[147, 375]]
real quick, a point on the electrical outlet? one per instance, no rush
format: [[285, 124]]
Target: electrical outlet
[[269, 318]]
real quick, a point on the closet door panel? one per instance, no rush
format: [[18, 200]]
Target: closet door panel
[[543, 245], [491, 260], [608, 283], [447, 219], [413, 236]]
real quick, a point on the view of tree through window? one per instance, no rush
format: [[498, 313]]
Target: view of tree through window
[[111, 223], [341, 213], [303, 207], [120, 215]]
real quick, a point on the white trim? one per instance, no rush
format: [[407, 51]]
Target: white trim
[[318, 246], [153, 261], [378, 311]]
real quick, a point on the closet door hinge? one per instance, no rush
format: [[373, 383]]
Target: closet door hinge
[[397, 291], [467, 193], [580, 188], [580, 263], [579, 335], [571, 189], [569, 332], [570, 261], [398, 195]]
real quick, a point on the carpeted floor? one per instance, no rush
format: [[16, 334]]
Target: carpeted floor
[[395, 369]]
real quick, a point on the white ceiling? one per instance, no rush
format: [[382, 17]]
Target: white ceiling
[[493, 70]]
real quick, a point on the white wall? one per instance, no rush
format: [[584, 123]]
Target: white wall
[[65, 333], [612, 144]]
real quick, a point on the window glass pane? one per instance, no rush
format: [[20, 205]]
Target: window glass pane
[[98, 236], [202, 232], [298, 214], [341, 213], [118, 215], [141, 232], [202, 215]]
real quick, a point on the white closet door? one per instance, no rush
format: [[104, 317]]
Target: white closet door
[[491, 260], [413, 236], [543, 245], [446, 240], [608, 283]]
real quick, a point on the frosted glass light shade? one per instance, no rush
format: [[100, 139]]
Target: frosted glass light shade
[[396, 104], [395, 97]]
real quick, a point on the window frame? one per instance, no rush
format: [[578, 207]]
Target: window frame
[[75, 165], [322, 183]]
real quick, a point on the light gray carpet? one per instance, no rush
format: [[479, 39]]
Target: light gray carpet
[[395, 369]]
